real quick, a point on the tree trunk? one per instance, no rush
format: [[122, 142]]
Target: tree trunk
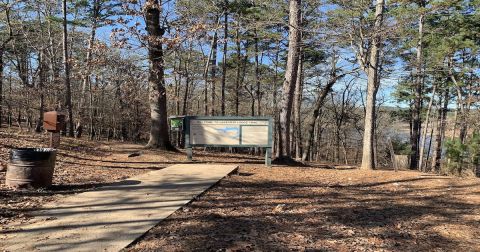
[[2, 51], [429, 148], [156, 82], [417, 106], [86, 75], [237, 78], [53, 66], [368, 160], [122, 106], [66, 63], [276, 123], [440, 133], [213, 72], [298, 106], [460, 102], [224, 63], [206, 72], [257, 75], [290, 78], [91, 111], [1, 86], [424, 134], [187, 82], [41, 84], [178, 81]]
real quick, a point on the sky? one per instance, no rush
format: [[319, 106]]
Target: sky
[[387, 84]]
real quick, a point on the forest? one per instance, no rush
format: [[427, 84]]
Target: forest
[[346, 82]]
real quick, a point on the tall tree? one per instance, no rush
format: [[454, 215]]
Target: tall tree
[[86, 76], [3, 46], [66, 64], [224, 61], [417, 104], [297, 108], [294, 36], [213, 71], [373, 82], [156, 80]]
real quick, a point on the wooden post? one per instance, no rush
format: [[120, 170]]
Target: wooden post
[[392, 154], [54, 139]]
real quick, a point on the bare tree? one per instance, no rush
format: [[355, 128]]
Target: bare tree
[[225, 51], [290, 79], [66, 64], [86, 75], [322, 95], [424, 134], [3, 46], [417, 104], [371, 68], [156, 81]]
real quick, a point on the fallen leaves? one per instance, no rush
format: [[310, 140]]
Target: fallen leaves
[[277, 209]]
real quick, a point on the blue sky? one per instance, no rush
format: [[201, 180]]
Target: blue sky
[[386, 89]]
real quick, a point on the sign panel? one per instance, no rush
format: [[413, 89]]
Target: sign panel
[[176, 124], [255, 135], [229, 132], [224, 131]]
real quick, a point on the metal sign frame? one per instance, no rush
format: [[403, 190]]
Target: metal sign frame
[[268, 147]]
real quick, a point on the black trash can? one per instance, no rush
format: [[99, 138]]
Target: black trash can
[[31, 168]]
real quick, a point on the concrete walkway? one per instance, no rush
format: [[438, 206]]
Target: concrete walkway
[[110, 218]]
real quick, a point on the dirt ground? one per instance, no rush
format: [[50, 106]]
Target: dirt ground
[[314, 208], [80, 166]]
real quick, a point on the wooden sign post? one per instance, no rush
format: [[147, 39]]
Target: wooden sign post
[[53, 122]]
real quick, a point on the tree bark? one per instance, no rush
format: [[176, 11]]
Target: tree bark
[[424, 134], [440, 133], [417, 105], [2, 52], [1, 86], [41, 84], [86, 75], [257, 76], [290, 78], [187, 82], [224, 63], [368, 159], [208, 63], [460, 102], [178, 80], [213, 72], [276, 123], [91, 111], [122, 106], [66, 63], [156, 82], [52, 53], [237, 78], [297, 109]]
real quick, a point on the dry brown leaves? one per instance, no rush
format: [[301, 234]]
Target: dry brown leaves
[[316, 208]]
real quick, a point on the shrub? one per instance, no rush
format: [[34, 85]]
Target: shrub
[[463, 156], [401, 147]]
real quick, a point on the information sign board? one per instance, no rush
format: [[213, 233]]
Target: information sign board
[[218, 131]]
